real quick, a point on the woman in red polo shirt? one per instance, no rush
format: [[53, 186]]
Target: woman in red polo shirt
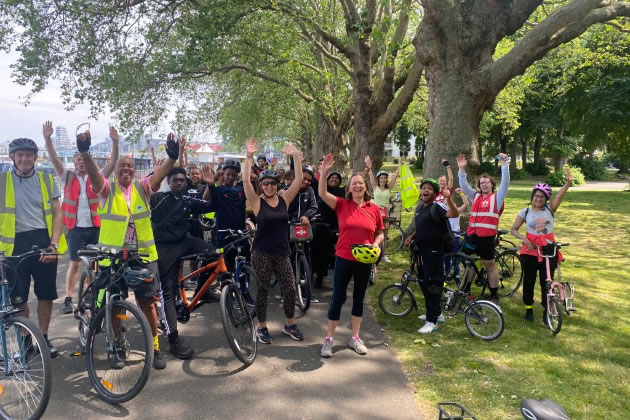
[[360, 222]]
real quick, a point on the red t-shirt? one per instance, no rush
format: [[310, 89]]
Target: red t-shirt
[[356, 225]]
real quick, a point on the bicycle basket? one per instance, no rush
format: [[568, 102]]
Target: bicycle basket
[[548, 250], [300, 233]]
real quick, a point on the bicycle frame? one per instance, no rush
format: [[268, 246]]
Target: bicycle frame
[[220, 269], [557, 284]]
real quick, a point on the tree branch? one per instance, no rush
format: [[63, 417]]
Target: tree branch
[[562, 25], [325, 51]]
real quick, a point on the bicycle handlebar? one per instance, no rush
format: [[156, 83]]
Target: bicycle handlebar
[[34, 251], [102, 253]]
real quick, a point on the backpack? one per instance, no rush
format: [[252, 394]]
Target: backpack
[[553, 216], [448, 238]]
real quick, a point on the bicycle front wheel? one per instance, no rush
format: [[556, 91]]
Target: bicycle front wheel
[[85, 305], [119, 370], [25, 377], [395, 300], [484, 320], [303, 284], [554, 315], [238, 324], [395, 238], [510, 273]]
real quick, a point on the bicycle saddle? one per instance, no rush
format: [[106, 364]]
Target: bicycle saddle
[[542, 410], [502, 231]]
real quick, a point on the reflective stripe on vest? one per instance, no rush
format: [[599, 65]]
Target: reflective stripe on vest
[[69, 205], [7, 211], [114, 215], [484, 223]]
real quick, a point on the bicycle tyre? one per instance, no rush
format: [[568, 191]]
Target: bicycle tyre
[[510, 273], [394, 296], [85, 306], [30, 362], [395, 238], [483, 314], [303, 284], [103, 376], [238, 324], [554, 315]]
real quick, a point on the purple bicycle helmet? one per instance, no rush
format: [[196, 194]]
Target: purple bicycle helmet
[[545, 188]]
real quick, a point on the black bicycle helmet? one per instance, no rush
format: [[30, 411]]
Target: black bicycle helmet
[[269, 173], [231, 163], [432, 182], [309, 169], [138, 278], [334, 173], [23, 144]]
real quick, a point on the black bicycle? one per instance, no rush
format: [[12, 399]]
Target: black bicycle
[[119, 342]]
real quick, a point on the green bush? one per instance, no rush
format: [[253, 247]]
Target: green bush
[[519, 174], [542, 171], [486, 167], [592, 168], [556, 179], [418, 164], [395, 161]]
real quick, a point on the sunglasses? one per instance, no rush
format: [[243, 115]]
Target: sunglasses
[[269, 183]]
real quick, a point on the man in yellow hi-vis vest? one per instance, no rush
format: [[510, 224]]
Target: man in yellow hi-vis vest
[[125, 219], [30, 214]]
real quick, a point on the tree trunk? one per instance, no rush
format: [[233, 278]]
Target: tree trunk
[[513, 152], [537, 148], [524, 151]]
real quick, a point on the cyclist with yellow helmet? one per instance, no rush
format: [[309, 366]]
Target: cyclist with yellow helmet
[[360, 234], [428, 238]]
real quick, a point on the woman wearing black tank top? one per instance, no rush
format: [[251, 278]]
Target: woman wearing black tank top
[[270, 250]]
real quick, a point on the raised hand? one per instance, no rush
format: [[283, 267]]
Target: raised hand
[[182, 143], [47, 129], [113, 134], [84, 141], [170, 137], [274, 161], [505, 159], [207, 174], [327, 163], [458, 190], [368, 162], [446, 192], [251, 147], [568, 178], [172, 148], [461, 161], [290, 149]]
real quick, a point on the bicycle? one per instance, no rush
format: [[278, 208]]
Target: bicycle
[[236, 318], [544, 409], [301, 266], [83, 311], [557, 291], [25, 376], [479, 315], [507, 260], [394, 233], [119, 342]]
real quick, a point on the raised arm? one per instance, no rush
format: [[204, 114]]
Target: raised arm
[[113, 158], [449, 173], [172, 150], [295, 186], [392, 182], [250, 194], [153, 157], [325, 168], [555, 203], [464, 206], [505, 179], [368, 167], [96, 178], [453, 211], [463, 181], [47, 130], [183, 159]]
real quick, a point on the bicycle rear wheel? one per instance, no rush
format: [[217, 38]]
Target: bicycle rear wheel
[[395, 300], [119, 375], [395, 238], [238, 324], [484, 320], [85, 305], [510, 273], [25, 376], [303, 283], [554, 315]]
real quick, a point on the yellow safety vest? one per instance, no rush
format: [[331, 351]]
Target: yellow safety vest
[[408, 191], [115, 219], [7, 211]]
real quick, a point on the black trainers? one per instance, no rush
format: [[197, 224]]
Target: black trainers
[[66, 307], [263, 335], [495, 300], [545, 317], [158, 360], [293, 332], [318, 282], [180, 349], [53, 350], [529, 315]]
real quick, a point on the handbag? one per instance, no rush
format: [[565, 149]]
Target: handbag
[[300, 233]]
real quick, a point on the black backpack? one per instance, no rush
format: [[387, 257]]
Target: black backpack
[[448, 238]]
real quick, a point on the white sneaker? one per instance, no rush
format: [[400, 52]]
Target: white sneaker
[[386, 259], [428, 328], [440, 319]]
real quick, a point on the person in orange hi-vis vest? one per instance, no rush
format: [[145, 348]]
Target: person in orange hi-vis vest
[[487, 207], [79, 205]]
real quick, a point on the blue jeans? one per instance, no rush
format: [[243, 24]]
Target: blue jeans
[[448, 261]]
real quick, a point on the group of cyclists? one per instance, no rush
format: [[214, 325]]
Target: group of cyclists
[[163, 222]]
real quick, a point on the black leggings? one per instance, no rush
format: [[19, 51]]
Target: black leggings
[[265, 265], [531, 267], [345, 270], [432, 274], [169, 255]]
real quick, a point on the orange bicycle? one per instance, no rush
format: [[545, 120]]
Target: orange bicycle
[[237, 319]]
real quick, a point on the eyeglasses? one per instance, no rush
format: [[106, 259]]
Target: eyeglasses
[[269, 183]]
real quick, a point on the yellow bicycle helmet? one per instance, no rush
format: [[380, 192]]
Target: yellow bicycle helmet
[[367, 254]]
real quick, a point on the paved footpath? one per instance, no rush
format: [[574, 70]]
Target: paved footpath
[[288, 380]]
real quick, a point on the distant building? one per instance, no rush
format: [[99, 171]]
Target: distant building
[[62, 140]]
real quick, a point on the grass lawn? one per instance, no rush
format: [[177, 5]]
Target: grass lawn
[[586, 367]]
